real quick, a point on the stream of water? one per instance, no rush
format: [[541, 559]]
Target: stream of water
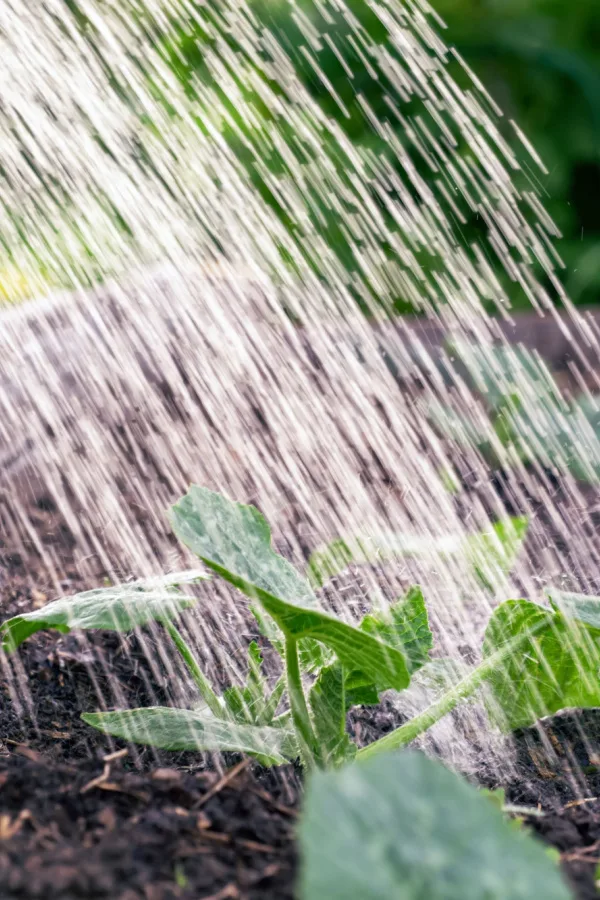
[[227, 343]]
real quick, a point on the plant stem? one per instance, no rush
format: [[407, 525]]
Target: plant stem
[[299, 709], [273, 701], [436, 711], [206, 692]]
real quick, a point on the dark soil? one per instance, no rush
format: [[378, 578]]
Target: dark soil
[[82, 816]]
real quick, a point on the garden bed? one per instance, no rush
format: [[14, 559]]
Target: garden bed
[[84, 816]]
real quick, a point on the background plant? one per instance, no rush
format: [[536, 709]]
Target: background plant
[[525, 417], [552, 653]]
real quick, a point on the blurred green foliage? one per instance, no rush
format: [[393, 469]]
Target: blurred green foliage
[[540, 60]]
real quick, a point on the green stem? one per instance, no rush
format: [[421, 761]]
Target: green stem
[[299, 709], [274, 700], [206, 692], [465, 688]]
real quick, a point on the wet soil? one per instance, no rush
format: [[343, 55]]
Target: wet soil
[[83, 816]]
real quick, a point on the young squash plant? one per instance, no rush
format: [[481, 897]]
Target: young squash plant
[[536, 659]]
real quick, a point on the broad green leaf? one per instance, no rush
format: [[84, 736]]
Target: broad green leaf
[[234, 541], [583, 607], [186, 729], [361, 695], [384, 665], [556, 668], [121, 607], [493, 554], [327, 702], [337, 556], [401, 825], [404, 626], [311, 654]]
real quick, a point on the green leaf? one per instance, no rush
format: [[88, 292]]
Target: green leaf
[[404, 626], [121, 607], [328, 705], [493, 554], [335, 557], [186, 729], [556, 668], [401, 825], [361, 694], [234, 541], [312, 655], [583, 607]]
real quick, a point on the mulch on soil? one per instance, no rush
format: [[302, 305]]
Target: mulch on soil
[[83, 816]]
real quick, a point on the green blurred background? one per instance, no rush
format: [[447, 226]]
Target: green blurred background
[[539, 59]]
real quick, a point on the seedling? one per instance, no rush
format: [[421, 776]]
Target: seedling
[[536, 659], [526, 418]]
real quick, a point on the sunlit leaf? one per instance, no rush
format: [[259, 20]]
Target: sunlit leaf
[[401, 825], [185, 729], [120, 607], [235, 540], [556, 668], [492, 554], [338, 555]]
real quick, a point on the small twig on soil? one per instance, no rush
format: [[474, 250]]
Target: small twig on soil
[[96, 782], [8, 829], [222, 782], [220, 837], [229, 892], [118, 754], [582, 854], [580, 802], [264, 795]]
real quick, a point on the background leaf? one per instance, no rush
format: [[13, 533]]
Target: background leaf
[[401, 825], [335, 557], [186, 729], [493, 554], [121, 607]]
